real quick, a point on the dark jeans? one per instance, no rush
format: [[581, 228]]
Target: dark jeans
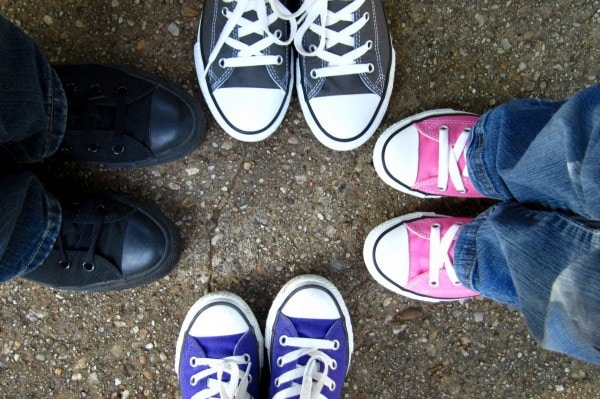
[[33, 112]]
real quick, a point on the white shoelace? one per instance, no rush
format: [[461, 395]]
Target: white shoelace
[[439, 248], [313, 375], [235, 388], [251, 55], [448, 160], [338, 65]]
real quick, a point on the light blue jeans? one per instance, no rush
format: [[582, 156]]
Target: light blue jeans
[[539, 249]]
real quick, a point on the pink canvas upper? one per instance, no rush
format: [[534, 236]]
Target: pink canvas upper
[[429, 136], [419, 234]]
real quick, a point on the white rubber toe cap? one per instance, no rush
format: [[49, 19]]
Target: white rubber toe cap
[[344, 117], [392, 256], [252, 110], [401, 156]]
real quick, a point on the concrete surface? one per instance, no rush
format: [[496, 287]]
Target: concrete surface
[[254, 215]]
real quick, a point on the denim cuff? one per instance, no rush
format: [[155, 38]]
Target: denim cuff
[[483, 136], [465, 251], [48, 238], [58, 116]]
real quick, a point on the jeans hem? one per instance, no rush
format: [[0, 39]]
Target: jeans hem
[[49, 236], [465, 251]]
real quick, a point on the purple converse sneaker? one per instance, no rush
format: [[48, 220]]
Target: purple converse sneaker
[[219, 349], [424, 155], [413, 255], [309, 340]]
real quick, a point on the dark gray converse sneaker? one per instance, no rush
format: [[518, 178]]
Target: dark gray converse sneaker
[[109, 242], [124, 117], [345, 69], [244, 64]]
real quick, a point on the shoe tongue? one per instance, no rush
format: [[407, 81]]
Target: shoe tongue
[[312, 328], [219, 347]]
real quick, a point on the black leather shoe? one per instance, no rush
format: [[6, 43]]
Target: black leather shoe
[[124, 117], [109, 242]]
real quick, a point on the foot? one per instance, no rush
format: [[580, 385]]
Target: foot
[[424, 155], [244, 65], [123, 117], [219, 349], [109, 242], [413, 256], [345, 70], [309, 340]]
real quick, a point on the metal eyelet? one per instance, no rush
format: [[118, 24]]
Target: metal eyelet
[[65, 264], [65, 147], [122, 90], [118, 149], [93, 147], [71, 87], [88, 266], [336, 345], [313, 74], [95, 89], [370, 68]]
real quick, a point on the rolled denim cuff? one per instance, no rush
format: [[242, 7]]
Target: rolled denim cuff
[[45, 143], [33, 226], [465, 251], [481, 150], [49, 236]]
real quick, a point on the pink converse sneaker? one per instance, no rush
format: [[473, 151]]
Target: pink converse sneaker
[[424, 155], [413, 255]]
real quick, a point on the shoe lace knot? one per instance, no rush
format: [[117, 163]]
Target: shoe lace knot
[[227, 378], [334, 28], [439, 250], [449, 156], [241, 23], [310, 378], [86, 233]]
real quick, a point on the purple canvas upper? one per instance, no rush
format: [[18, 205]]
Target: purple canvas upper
[[217, 348], [310, 328]]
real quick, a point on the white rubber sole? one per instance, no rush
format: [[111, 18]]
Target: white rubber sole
[[214, 297], [293, 285], [369, 247], [250, 137], [382, 141], [345, 145]]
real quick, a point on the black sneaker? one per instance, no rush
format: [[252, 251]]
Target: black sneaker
[[124, 117], [345, 69], [109, 242], [244, 65]]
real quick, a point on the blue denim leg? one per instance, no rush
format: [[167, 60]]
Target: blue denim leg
[[29, 225], [546, 264], [33, 105], [539, 251], [541, 152]]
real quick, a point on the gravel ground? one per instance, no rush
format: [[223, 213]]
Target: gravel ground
[[254, 215]]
